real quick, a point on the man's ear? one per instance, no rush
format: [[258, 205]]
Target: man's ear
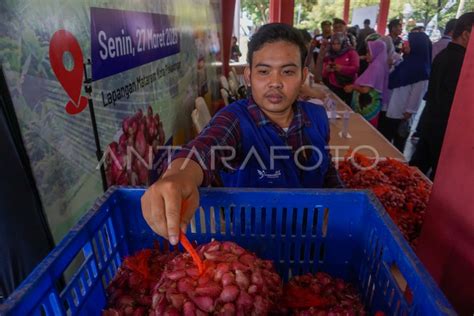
[[247, 76], [305, 74]]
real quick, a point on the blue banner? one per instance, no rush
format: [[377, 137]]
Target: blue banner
[[121, 40]]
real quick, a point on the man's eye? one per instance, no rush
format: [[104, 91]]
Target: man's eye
[[289, 72], [263, 72]]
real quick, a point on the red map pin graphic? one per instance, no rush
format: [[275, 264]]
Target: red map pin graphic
[[71, 80]]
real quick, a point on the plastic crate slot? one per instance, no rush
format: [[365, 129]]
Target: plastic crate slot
[[212, 217], [192, 225], [87, 277], [322, 252], [274, 226], [325, 222], [221, 221], [314, 227], [292, 252], [288, 222], [247, 212], [312, 252], [304, 222], [66, 307], [202, 220], [228, 221], [294, 221], [106, 238], [253, 220], [263, 217], [110, 228], [43, 310], [390, 297]]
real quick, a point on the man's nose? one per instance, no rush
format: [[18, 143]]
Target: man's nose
[[275, 80]]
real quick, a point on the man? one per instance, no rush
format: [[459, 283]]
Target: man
[[443, 80], [445, 39], [320, 45], [339, 26], [395, 30], [367, 30], [250, 130], [362, 46]]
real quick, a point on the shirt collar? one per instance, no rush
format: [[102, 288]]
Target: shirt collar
[[300, 118]]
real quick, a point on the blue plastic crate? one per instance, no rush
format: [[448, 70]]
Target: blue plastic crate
[[345, 233]]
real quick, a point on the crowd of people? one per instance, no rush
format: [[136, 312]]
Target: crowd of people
[[387, 78]]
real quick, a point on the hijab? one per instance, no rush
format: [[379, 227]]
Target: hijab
[[416, 65], [345, 47], [376, 74]]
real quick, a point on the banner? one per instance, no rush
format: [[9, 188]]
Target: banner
[[147, 61], [121, 40]]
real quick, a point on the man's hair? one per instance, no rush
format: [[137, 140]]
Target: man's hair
[[325, 22], [276, 32], [367, 21], [450, 26], [464, 23], [338, 21], [393, 23]]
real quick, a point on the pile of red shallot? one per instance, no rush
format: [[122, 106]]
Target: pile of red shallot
[[322, 295], [128, 160], [234, 282], [402, 191], [130, 292]]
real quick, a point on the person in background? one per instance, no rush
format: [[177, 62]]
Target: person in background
[[393, 58], [395, 30], [371, 88], [443, 80], [363, 33], [339, 26], [340, 66], [271, 118], [235, 50], [445, 39], [408, 82], [320, 47], [307, 41], [316, 32]]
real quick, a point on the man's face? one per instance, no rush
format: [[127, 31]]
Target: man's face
[[339, 28], [276, 77], [397, 30], [327, 28]]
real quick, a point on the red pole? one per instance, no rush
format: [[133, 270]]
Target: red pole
[[383, 15], [447, 239], [227, 12], [347, 6], [282, 11]]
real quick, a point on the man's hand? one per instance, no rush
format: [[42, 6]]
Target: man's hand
[[337, 67], [161, 203]]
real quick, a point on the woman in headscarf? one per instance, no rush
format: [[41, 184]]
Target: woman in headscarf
[[371, 88], [408, 84], [340, 66]]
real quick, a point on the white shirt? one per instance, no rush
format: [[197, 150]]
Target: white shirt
[[406, 99]]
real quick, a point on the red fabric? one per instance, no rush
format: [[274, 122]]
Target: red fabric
[[345, 13], [350, 66], [282, 11], [447, 239], [383, 15]]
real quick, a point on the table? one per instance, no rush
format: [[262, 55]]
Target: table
[[365, 139]]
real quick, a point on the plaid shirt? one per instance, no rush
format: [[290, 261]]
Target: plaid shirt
[[224, 130]]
